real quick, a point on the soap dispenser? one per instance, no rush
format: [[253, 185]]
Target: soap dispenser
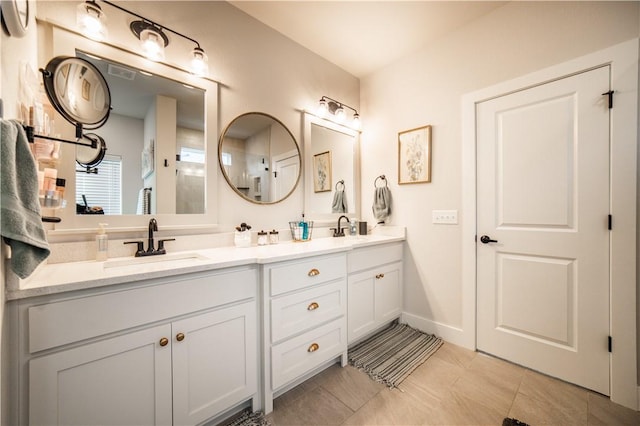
[[102, 241]]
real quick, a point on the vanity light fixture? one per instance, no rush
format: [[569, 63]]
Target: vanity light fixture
[[92, 23], [91, 20], [329, 105], [152, 39]]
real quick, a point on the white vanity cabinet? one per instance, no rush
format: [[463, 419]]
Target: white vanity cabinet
[[305, 307], [374, 288], [172, 351]]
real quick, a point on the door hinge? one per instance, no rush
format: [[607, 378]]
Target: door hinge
[[610, 222], [610, 343], [610, 95]]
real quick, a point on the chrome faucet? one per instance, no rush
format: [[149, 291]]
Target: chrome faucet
[[339, 232], [151, 250]]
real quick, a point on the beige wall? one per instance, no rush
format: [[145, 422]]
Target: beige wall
[[426, 88], [258, 68]]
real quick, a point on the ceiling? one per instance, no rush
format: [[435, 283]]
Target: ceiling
[[364, 36]]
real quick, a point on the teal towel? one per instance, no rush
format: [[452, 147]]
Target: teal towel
[[20, 218]]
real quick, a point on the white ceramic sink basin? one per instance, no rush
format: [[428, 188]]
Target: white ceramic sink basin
[[167, 259]]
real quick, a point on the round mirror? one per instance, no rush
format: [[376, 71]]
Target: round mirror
[[78, 91], [259, 158], [89, 156]]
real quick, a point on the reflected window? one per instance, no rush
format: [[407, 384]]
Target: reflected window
[[192, 155], [226, 159], [103, 189]]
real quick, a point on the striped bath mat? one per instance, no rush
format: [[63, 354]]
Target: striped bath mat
[[392, 354]]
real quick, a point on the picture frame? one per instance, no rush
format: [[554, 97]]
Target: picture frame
[[147, 160], [414, 155], [322, 172]]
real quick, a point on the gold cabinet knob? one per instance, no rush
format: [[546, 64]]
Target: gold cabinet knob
[[164, 341], [313, 306], [180, 337], [314, 347], [313, 272], [379, 276]]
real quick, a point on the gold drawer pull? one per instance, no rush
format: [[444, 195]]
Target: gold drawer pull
[[313, 272], [313, 306], [314, 347], [164, 341], [379, 276], [180, 337]]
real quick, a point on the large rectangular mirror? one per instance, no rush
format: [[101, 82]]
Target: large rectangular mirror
[[176, 158], [133, 177], [332, 172]]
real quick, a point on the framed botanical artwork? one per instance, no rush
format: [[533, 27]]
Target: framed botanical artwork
[[322, 172], [414, 155]]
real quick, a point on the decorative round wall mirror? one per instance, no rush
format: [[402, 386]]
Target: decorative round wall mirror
[[259, 158]]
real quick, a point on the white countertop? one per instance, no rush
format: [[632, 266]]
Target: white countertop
[[62, 277]]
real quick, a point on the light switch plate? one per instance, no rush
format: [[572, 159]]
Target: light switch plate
[[447, 217]]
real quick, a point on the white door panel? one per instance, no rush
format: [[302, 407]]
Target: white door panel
[[543, 195]]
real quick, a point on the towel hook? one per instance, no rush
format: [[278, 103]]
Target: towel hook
[[340, 182], [383, 177]]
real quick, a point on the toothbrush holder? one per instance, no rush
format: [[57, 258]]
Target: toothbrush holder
[[242, 238]]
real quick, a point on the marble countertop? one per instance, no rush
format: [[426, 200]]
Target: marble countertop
[[63, 277]]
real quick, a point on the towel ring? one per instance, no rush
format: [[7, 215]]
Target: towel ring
[[340, 182], [383, 177]]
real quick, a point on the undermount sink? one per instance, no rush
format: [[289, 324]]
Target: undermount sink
[[171, 259]]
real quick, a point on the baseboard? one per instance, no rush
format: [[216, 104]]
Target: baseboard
[[446, 332]]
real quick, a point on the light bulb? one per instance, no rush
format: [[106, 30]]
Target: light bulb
[[322, 107], [91, 21], [356, 121], [339, 114], [152, 44], [199, 62]]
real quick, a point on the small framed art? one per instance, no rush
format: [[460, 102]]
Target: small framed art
[[322, 172], [414, 156]]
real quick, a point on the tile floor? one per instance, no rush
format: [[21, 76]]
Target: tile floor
[[454, 387]]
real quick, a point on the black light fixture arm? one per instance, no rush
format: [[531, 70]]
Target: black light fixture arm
[[162, 27], [327, 98]]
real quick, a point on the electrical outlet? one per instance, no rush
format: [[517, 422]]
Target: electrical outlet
[[447, 217]]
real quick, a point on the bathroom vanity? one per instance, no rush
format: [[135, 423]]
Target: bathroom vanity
[[196, 337]]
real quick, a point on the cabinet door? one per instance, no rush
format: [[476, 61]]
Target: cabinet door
[[388, 292], [361, 315], [214, 362], [125, 380], [374, 298]]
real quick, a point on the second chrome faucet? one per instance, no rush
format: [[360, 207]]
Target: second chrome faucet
[[151, 250]]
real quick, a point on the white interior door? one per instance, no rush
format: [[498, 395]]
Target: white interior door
[[543, 197], [286, 168]]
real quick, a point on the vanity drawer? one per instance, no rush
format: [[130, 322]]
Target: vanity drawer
[[297, 312], [295, 357], [302, 274], [370, 257], [91, 316]]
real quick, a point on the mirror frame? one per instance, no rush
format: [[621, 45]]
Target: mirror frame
[[67, 43], [329, 218], [227, 178]]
